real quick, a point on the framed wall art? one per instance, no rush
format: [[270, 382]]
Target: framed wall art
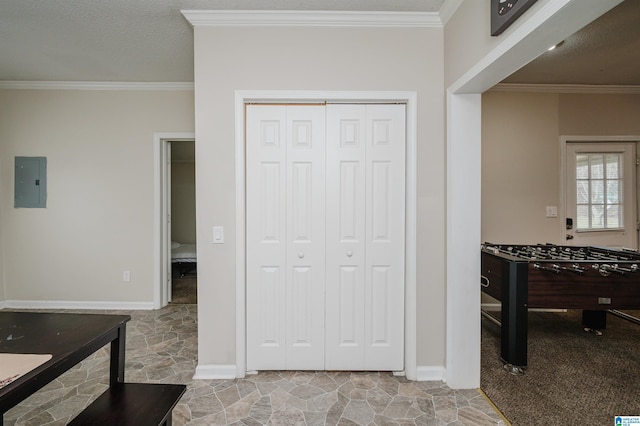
[[505, 12]]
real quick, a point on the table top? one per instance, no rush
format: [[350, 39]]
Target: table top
[[68, 337]]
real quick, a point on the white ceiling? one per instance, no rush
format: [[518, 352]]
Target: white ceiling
[[150, 40], [128, 40]]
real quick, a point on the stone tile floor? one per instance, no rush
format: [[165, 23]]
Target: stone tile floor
[[162, 348]]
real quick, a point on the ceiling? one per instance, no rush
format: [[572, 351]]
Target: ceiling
[[605, 52], [150, 40], [128, 40]]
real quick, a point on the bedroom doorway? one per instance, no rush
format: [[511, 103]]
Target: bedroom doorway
[[181, 224], [163, 265]]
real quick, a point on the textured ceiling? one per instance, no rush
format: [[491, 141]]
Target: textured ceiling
[[605, 52], [150, 41], [128, 40]]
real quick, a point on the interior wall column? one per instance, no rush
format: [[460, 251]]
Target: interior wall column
[[463, 240]]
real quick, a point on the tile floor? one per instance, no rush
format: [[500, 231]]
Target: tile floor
[[162, 347]]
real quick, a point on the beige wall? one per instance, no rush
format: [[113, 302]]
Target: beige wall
[[229, 59], [521, 155], [468, 37], [183, 202], [591, 114], [520, 167], [99, 216]]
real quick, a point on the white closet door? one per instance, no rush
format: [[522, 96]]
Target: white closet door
[[285, 237], [346, 175], [305, 237], [365, 237]]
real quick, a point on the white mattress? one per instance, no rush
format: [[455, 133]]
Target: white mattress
[[183, 253]]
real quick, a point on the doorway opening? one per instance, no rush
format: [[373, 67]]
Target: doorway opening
[[182, 222], [185, 153]]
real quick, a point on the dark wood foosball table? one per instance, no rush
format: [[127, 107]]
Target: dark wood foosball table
[[596, 280]]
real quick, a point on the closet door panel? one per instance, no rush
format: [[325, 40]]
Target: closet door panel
[[385, 237], [345, 236], [305, 237], [266, 237]]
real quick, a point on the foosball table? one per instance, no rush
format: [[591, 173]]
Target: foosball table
[[596, 280]]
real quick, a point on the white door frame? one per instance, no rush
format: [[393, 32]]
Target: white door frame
[[410, 99], [547, 23], [161, 207], [602, 139]]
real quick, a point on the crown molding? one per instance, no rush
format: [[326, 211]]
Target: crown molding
[[567, 88], [94, 85], [447, 10], [316, 18]]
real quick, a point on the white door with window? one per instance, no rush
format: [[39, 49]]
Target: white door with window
[[325, 237], [601, 194]]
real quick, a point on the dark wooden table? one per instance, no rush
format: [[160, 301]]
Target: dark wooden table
[[69, 338]]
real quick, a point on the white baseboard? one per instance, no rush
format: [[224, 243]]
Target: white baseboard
[[430, 374], [218, 371], [3, 304], [67, 304], [215, 371]]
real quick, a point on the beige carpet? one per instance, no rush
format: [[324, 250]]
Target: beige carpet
[[573, 377]]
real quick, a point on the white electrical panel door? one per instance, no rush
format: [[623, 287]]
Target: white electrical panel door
[[285, 237], [325, 237], [365, 237]]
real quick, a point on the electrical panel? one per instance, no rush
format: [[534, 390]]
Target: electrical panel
[[30, 190]]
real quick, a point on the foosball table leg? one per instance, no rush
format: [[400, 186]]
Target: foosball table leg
[[594, 321], [515, 311]]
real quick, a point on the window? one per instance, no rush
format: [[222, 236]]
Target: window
[[599, 191]]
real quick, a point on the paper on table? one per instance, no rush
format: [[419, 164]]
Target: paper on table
[[12, 366]]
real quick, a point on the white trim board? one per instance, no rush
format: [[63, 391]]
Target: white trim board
[[567, 88], [547, 23], [410, 98], [315, 18], [95, 85], [430, 374], [564, 140], [160, 141], [73, 304], [215, 372]]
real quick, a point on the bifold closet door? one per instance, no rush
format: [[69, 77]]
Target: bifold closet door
[[365, 237], [285, 205], [325, 237]]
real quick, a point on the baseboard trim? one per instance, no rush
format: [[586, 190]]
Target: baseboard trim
[[215, 372], [68, 304], [430, 374]]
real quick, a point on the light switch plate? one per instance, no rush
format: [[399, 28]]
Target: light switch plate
[[552, 211], [218, 235]]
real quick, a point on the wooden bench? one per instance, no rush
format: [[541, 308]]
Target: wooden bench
[[134, 404]]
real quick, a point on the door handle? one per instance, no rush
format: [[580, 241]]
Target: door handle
[[301, 255], [349, 253], [569, 237]]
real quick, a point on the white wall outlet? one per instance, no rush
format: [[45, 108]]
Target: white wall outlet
[[552, 211], [218, 235], [126, 276]]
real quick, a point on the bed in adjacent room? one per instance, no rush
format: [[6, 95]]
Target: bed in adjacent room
[[185, 257]]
